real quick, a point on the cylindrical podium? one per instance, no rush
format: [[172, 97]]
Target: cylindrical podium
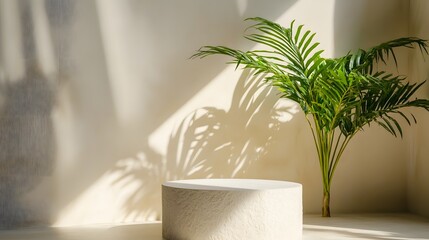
[[231, 209]]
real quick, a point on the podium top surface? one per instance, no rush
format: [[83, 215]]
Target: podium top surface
[[231, 184]]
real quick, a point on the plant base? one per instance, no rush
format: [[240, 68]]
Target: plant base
[[326, 211]]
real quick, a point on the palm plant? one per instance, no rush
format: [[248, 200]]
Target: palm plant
[[339, 96]]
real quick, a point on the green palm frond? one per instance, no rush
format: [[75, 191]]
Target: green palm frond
[[384, 96], [291, 45], [365, 60]]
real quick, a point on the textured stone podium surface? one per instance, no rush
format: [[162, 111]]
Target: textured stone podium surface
[[231, 209]]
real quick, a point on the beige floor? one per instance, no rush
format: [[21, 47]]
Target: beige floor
[[356, 226]]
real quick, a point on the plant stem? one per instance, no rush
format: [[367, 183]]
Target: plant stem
[[326, 211]]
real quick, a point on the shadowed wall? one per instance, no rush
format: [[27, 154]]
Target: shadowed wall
[[418, 166], [27, 95]]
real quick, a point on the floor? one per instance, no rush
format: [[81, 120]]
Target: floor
[[357, 226], [367, 226]]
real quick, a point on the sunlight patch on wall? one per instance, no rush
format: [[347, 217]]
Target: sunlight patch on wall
[[107, 198], [285, 109], [12, 47], [242, 5], [217, 93], [43, 39], [119, 38]]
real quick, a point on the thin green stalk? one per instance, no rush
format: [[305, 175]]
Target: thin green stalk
[[335, 154], [331, 136], [340, 153], [319, 141], [312, 133], [336, 148], [324, 158]]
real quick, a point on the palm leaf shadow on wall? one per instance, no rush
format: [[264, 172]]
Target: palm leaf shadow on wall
[[208, 143]]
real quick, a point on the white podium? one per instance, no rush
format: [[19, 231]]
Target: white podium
[[231, 209]]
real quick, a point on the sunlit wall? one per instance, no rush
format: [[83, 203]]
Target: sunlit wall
[[100, 104]]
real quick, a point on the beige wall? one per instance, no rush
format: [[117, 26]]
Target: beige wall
[[132, 110], [418, 173]]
